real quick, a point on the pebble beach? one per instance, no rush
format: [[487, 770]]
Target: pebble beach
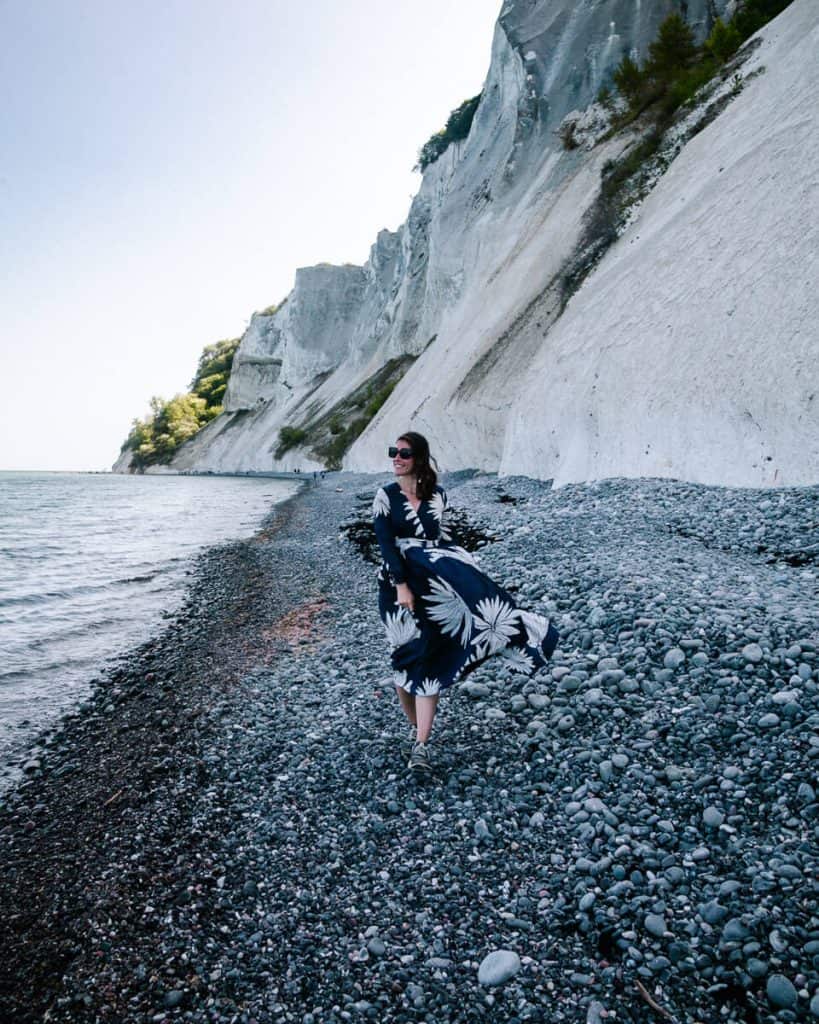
[[225, 831]]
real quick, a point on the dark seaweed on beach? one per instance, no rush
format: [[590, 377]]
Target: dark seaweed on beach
[[359, 531]]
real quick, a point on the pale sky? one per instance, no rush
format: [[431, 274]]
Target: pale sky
[[166, 165]]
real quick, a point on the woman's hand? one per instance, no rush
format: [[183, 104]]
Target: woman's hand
[[405, 597]]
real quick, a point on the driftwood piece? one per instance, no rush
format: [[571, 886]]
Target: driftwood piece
[[652, 1002]]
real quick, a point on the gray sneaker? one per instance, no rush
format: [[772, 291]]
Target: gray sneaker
[[419, 758]]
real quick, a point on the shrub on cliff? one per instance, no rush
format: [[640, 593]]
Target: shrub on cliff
[[333, 452], [753, 14], [723, 41], [672, 51], [378, 398], [155, 439], [289, 437], [677, 68], [456, 128], [212, 373], [670, 56], [630, 81]]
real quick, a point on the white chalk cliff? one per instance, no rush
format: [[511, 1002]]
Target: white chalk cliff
[[690, 350]]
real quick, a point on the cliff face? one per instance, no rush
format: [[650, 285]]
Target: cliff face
[[473, 285], [692, 351]]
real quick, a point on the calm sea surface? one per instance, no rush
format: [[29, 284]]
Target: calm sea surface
[[88, 564]]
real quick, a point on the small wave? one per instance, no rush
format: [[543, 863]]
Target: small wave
[[44, 596], [79, 590], [36, 673], [90, 628]]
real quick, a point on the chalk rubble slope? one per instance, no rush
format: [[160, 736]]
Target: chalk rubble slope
[[692, 350]]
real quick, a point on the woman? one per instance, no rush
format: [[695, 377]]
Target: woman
[[442, 615]]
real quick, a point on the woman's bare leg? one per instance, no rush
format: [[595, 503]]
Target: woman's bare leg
[[407, 703], [425, 708]]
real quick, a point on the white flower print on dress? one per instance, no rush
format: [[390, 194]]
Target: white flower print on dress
[[381, 503], [536, 627], [412, 516], [437, 508], [428, 687], [400, 627], [519, 661], [449, 610], [497, 623], [457, 553]]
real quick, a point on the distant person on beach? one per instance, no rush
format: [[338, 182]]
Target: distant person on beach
[[443, 616]]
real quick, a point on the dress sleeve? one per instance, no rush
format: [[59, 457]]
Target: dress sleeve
[[382, 521]]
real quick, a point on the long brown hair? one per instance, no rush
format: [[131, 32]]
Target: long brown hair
[[427, 477]]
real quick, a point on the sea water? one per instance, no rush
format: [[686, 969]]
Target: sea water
[[90, 564]]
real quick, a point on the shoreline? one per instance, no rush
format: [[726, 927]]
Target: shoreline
[[137, 721], [71, 616], [226, 831]]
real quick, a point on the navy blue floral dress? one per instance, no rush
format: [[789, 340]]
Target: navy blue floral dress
[[461, 616]]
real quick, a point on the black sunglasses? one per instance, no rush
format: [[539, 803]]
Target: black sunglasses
[[404, 453]]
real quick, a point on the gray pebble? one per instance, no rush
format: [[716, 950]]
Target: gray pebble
[[482, 829], [594, 1014], [498, 967], [713, 817], [781, 992], [757, 968], [713, 913], [674, 658], [769, 721], [753, 653], [734, 931]]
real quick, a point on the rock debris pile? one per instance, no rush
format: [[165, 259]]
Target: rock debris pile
[[630, 836]]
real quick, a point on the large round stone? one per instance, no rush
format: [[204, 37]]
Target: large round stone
[[712, 817], [674, 658], [655, 925], [753, 653], [781, 992], [498, 967]]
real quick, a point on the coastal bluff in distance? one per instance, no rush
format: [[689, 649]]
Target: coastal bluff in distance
[[571, 298]]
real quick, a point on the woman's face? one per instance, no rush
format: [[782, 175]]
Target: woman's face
[[402, 466]]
